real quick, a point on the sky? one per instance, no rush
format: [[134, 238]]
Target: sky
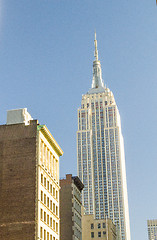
[[46, 56]]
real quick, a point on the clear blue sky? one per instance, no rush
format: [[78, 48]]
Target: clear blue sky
[[46, 54]]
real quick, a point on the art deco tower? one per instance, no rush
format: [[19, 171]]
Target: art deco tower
[[100, 154]]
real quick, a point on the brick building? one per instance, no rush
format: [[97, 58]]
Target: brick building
[[29, 179], [70, 208]]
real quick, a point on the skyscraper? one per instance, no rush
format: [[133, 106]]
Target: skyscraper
[[100, 154]]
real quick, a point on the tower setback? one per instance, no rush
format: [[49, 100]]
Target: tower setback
[[100, 154]]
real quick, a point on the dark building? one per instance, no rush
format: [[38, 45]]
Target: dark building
[[70, 208]]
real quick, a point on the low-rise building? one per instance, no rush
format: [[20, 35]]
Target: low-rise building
[[152, 229], [97, 229]]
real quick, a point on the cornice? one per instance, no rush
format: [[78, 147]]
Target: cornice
[[50, 138]]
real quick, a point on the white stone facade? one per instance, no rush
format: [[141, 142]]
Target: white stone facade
[[48, 186], [100, 155]]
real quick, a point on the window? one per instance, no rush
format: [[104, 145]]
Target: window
[[104, 225], [92, 234], [53, 224], [51, 204], [44, 181], [48, 219], [50, 188], [42, 196], [104, 233], [99, 234], [45, 216], [99, 225], [92, 225], [53, 191], [41, 213], [44, 234], [41, 178], [47, 201], [50, 222], [56, 210], [53, 238], [48, 185], [57, 227], [41, 232], [57, 195], [53, 207], [48, 235]]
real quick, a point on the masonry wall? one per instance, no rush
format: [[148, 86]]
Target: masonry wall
[[106, 229], [17, 181], [66, 223]]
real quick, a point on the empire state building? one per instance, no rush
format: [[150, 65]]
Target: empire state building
[[100, 154]]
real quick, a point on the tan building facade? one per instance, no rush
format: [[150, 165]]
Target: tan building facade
[[97, 229], [70, 208], [152, 229], [29, 180]]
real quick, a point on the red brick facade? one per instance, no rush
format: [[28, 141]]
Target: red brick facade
[[18, 181]]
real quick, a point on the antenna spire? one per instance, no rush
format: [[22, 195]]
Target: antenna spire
[[97, 82], [96, 50]]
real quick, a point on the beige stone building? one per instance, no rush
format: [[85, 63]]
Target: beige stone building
[[70, 208], [152, 229], [29, 179], [97, 229]]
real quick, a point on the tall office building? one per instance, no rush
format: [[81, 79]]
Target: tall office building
[[152, 229], [100, 154], [29, 179]]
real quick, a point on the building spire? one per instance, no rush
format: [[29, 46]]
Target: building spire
[[97, 82], [96, 50]]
